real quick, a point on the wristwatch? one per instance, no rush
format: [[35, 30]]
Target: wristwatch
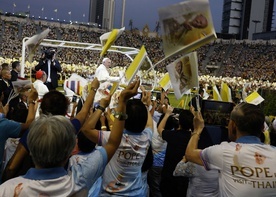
[[94, 89], [100, 108], [120, 115], [31, 102]]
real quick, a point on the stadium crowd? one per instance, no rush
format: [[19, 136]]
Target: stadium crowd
[[250, 60], [140, 146]]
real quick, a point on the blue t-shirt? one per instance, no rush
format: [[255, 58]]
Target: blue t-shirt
[[23, 140]]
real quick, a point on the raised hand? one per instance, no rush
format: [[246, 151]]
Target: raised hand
[[198, 121], [33, 95], [169, 110], [104, 102], [146, 98], [95, 83], [129, 91]]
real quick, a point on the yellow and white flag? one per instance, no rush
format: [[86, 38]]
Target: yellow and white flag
[[225, 93], [135, 65], [216, 95], [165, 82], [254, 98], [109, 38]]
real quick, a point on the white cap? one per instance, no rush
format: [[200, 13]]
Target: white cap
[[104, 59]]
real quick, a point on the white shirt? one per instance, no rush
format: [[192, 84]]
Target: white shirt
[[105, 80], [242, 173], [123, 175], [41, 88]]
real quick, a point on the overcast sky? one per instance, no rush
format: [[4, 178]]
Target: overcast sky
[[140, 11]]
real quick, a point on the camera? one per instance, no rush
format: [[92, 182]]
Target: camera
[[49, 54]]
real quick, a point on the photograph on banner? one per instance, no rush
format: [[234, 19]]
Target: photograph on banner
[[183, 74], [186, 26], [21, 84]]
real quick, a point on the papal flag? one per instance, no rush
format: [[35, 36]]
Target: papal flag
[[165, 82], [109, 38], [135, 65], [254, 98], [32, 43], [225, 93], [216, 95]]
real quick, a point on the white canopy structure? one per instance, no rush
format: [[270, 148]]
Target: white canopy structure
[[130, 52]]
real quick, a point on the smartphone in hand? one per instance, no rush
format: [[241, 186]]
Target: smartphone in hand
[[74, 98]]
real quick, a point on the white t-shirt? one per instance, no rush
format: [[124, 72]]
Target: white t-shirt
[[159, 147], [123, 175], [247, 167]]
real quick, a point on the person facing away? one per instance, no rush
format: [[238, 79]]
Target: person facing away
[[202, 183], [123, 175], [51, 140], [54, 103], [13, 129], [177, 141], [246, 165], [39, 85]]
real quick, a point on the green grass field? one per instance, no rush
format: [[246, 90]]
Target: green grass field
[[179, 103]]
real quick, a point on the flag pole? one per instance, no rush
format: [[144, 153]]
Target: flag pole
[[123, 14]]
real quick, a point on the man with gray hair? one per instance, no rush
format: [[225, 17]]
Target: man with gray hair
[[51, 140]]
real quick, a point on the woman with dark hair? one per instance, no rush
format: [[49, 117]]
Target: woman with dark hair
[[123, 175]]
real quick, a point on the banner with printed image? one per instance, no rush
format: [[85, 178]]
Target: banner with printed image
[[184, 74], [186, 26]]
